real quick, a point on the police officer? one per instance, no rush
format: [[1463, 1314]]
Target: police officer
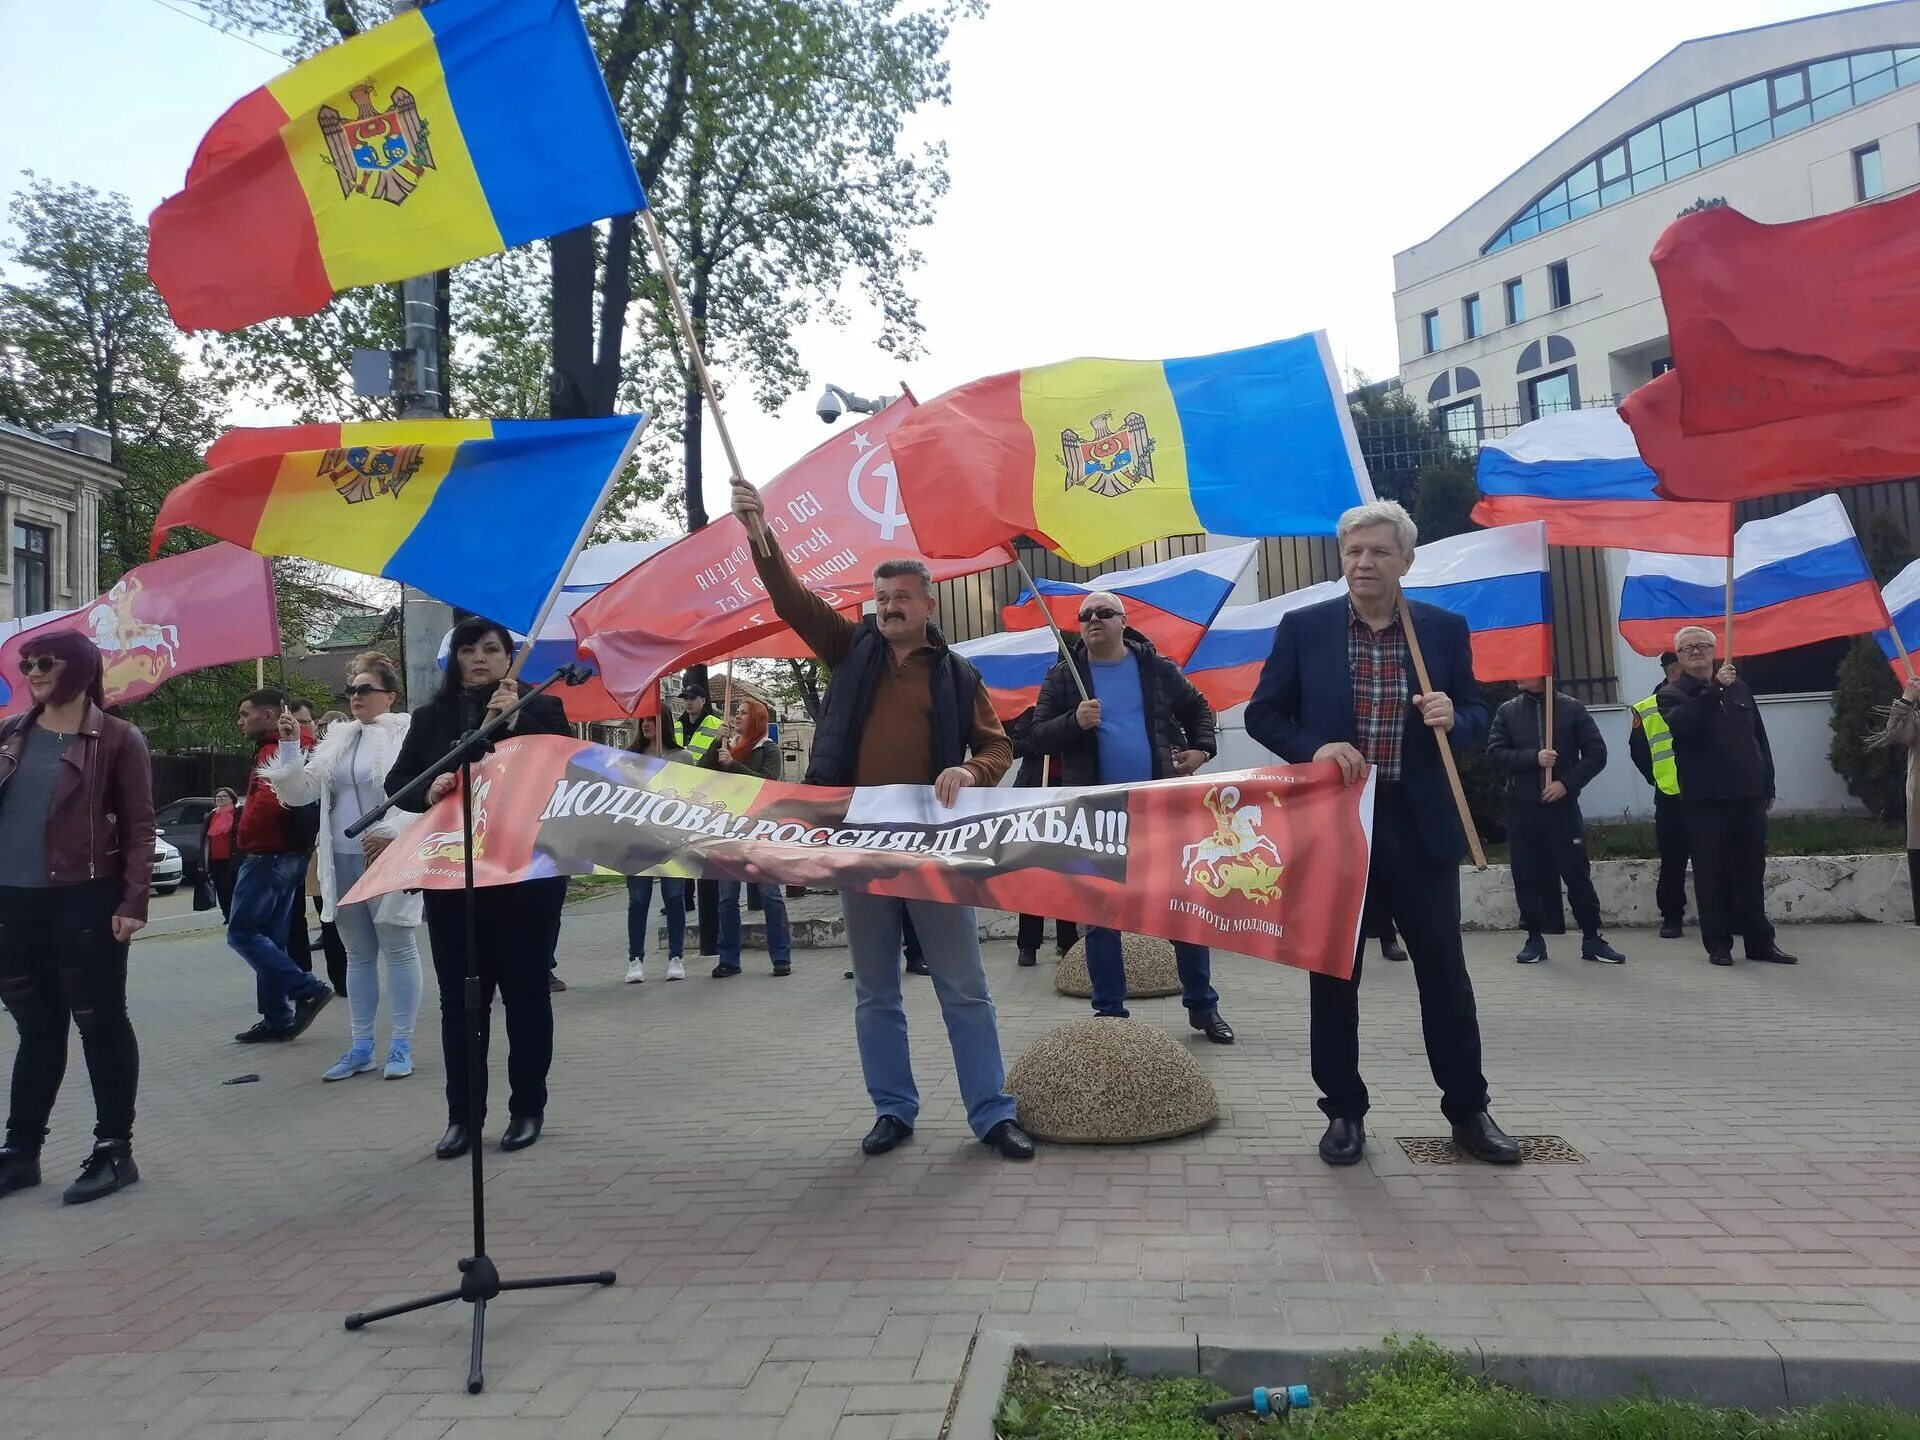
[[700, 731], [1651, 746], [1726, 789]]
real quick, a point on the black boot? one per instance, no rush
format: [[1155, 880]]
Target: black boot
[[109, 1168], [19, 1168]]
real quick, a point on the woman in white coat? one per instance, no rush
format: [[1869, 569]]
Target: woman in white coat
[[346, 773]]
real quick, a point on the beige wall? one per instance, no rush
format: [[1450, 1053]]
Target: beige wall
[[45, 484]]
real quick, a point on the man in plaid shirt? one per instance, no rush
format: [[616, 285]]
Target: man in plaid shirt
[[1340, 687]]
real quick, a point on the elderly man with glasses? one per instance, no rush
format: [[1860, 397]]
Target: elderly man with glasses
[[1146, 721], [1726, 788]]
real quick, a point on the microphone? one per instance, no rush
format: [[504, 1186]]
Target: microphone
[[574, 673]]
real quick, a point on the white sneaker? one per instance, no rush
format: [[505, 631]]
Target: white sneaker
[[636, 972], [675, 970]]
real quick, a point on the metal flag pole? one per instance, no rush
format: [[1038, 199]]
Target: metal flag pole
[[760, 541], [1546, 743], [1446, 745], [1726, 654], [1054, 625]]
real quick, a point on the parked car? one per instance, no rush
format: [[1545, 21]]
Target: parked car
[[183, 824], [168, 871]]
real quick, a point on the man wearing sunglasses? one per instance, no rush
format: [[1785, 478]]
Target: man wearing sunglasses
[[1146, 721]]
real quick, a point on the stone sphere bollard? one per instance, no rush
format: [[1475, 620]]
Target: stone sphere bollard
[[1151, 970], [1110, 1082]]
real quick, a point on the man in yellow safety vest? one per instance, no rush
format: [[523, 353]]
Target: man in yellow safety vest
[[1651, 746], [700, 731]]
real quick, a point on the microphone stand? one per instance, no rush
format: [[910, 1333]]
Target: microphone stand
[[479, 1278]]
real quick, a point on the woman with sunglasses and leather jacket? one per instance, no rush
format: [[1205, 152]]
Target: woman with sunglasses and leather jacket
[[76, 865], [346, 773]]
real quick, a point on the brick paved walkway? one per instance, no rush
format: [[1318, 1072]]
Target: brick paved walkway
[[1752, 1140]]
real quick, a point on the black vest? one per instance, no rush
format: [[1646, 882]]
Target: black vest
[[843, 709]]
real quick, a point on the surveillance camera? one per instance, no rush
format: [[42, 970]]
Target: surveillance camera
[[829, 407]]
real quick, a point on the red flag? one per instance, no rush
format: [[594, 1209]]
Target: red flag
[[1808, 453], [837, 512], [1770, 322], [164, 618]]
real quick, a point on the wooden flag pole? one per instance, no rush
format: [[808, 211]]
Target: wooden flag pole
[[260, 673], [1546, 743], [1906, 660], [726, 702], [1054, 625], [760, 540], [1446, 745], [1726, 654]]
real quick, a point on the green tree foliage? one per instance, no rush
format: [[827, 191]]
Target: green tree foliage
[[1864, 687], [1412, 459]]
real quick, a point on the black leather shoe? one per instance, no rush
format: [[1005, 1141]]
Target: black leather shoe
[[1484, 1140], [918, 967], [109, 1168], [305, 1010], [1345, 1142], [1722, 956], [1670, 930], [1213, 1027], [1010, 1140], [1029, 959], [261, 1034], [453, 1144], [1774, 955], [888, 1131], [521, 1131], [1394, 951], [723, 972], [783, 970], [19, 1170]]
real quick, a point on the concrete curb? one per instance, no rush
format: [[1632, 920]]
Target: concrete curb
[[1755, 1375]]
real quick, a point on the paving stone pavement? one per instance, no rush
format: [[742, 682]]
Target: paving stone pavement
[[1752, 1171]]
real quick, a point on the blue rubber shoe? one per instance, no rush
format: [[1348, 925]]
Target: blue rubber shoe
[[357, 1061], [399, 1060]]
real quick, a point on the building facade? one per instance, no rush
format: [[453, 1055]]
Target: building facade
[[50, 489]]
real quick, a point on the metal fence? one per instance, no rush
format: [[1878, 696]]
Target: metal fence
[[176, 777]]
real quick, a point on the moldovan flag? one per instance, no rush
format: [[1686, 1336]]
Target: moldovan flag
[[1580, 472], [1093, 457], [457, 129], [1013, 665], [1226, 664], [1171, 602], [1862, 446], [1498, 582], [1799, 576], [1770, 322], [187, 612], [488, 525], [1902, 599], [836, 513]]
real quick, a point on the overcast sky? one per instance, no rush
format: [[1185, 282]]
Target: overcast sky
[[1133, 178]]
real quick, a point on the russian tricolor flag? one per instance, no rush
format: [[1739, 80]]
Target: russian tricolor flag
[[1498, 582], [1580, 472], [1171, 602], [1012, 665], [1799, 576], [1902, 599], [1225, 665]]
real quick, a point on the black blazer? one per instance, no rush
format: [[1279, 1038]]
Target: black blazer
[[1305, 700], [439, 724]]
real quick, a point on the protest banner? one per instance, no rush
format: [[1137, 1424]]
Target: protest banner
[[1270, 863]]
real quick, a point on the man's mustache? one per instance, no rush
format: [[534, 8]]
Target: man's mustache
[[892, 615]]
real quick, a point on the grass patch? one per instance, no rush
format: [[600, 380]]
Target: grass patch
[[1410, 1391], [1786, 835]]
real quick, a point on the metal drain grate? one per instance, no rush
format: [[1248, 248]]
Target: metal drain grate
[[1534, 1149]]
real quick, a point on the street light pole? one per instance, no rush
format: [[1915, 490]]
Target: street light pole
[[423, 619]]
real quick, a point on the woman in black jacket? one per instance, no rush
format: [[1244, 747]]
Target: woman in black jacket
[[515, 924]]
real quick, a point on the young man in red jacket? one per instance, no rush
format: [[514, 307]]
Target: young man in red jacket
[[272, 844]]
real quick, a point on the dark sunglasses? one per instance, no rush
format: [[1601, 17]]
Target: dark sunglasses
[[361, 692], [38, 665], [1101, 612]]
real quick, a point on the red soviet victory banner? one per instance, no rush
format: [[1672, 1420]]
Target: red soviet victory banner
[[836, 512], [1812, 317], [210, 606], [1270, 863]]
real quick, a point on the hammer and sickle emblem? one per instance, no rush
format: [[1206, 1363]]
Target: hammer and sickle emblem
[[890, 517]]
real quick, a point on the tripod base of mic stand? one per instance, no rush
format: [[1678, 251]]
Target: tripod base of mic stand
[[479, 1282]]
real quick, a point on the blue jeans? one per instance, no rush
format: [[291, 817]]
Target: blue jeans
[[774, 901], [366, 940], [1109, 974], [951, 937], [673, 899], [264, 896]]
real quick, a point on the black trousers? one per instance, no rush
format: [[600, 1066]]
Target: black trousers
[[1670, 834], [59, 962], [1033, 929], [706, 896], [222, 873], [1729, 843], [1548, 844], [515, 926], [1421, 895], [1913, 882], [300, 945]]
